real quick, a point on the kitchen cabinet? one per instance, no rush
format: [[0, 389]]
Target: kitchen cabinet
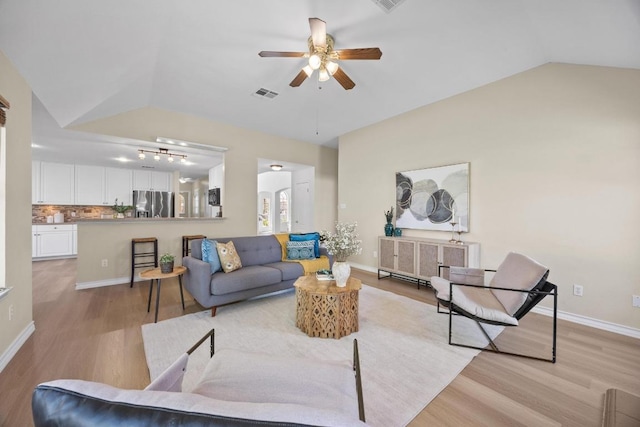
[[418, 259], [97, 185], [90, 184], [52, 183], [53, 240], [119, 185], [151, 180]]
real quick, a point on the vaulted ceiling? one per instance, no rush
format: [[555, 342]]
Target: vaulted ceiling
[[87, 60]]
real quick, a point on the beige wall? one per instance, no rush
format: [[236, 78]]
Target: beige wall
[[554, 158], [18, 201], [240, 189]]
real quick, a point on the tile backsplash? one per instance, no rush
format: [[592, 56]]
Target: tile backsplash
[[39, 213]]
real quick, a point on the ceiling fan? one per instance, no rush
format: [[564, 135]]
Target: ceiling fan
[[323, 57]]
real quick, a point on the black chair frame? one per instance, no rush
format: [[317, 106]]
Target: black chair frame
[[536, 295]]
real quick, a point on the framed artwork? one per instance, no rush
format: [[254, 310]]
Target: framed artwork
[[429, 199]]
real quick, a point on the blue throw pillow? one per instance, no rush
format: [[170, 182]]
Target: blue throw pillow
[[210, 254], [308, 236], [300, 250]]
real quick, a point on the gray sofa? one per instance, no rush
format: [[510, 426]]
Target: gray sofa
[[262, 272]]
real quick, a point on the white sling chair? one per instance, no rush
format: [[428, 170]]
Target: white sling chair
[[517, 286]]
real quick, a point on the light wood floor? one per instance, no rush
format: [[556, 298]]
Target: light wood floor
[[95, 335]]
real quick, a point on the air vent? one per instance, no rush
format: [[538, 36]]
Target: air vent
[[388, 5], [265, 93], [148, 167]]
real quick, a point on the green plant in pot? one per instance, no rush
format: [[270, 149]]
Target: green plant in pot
[[120, 209], [166, 263]]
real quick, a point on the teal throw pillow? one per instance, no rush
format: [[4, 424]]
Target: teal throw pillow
[[300, 250], [315, 237], [210, 254]]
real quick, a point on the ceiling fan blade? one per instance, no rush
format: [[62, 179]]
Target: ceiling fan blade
[[343, 79], [297, 81], [362, 53], [318, 32], [272, 54]]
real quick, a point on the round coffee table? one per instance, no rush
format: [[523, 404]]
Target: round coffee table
[[325, 310], [157, 275]]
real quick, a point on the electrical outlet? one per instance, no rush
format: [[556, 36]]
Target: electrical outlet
[[105, 262], [636, 300], [577, 290], [11, 312], [375, 254]]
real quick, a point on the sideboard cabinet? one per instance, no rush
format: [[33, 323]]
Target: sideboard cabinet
[[417, 259]]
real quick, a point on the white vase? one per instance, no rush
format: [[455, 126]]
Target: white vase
[[341, 271]]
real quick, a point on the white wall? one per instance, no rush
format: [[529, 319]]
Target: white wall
[[554, 158]]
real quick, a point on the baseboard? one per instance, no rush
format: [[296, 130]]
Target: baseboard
[[16, 345], [107, 282], [575, 318], [589, 321]]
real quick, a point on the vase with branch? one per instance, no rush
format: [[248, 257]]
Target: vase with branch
[[388, 227], [342, 244]]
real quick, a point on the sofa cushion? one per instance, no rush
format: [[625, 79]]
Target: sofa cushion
[[314, 237], [210, 254], [256, 250], [289, 270], [229, 259], [231, 375], [517, 271], [253, 276], [300, 250]]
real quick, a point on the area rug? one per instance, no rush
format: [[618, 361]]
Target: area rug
[[404, 354]]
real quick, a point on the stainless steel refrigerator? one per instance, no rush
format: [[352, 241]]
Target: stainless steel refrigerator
[[153, 204]]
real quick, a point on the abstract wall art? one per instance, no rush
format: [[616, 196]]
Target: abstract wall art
[[428, 199]]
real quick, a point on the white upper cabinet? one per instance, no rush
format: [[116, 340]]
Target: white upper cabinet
[[90, 184], [151, 180], [97, 185], [52, 183], [119, 185], [36, 182]]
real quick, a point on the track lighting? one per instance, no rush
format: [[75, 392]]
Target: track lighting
[[161, 152]]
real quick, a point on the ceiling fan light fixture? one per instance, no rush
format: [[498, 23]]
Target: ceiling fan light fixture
[[275, 167], [324, 75], [307, 70], [331, 67], [315, 61]]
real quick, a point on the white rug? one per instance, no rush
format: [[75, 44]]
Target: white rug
[[404, 353]]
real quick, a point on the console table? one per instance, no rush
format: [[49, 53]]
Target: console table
[[417, 259]]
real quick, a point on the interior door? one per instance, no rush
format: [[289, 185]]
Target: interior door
[[302, 207]]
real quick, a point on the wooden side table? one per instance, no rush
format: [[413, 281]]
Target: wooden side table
[[157, 275], [325, 310]]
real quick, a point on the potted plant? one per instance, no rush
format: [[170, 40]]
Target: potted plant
[[166, 263], [120, 209]]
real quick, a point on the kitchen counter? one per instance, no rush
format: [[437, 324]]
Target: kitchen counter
[[140, 220]]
